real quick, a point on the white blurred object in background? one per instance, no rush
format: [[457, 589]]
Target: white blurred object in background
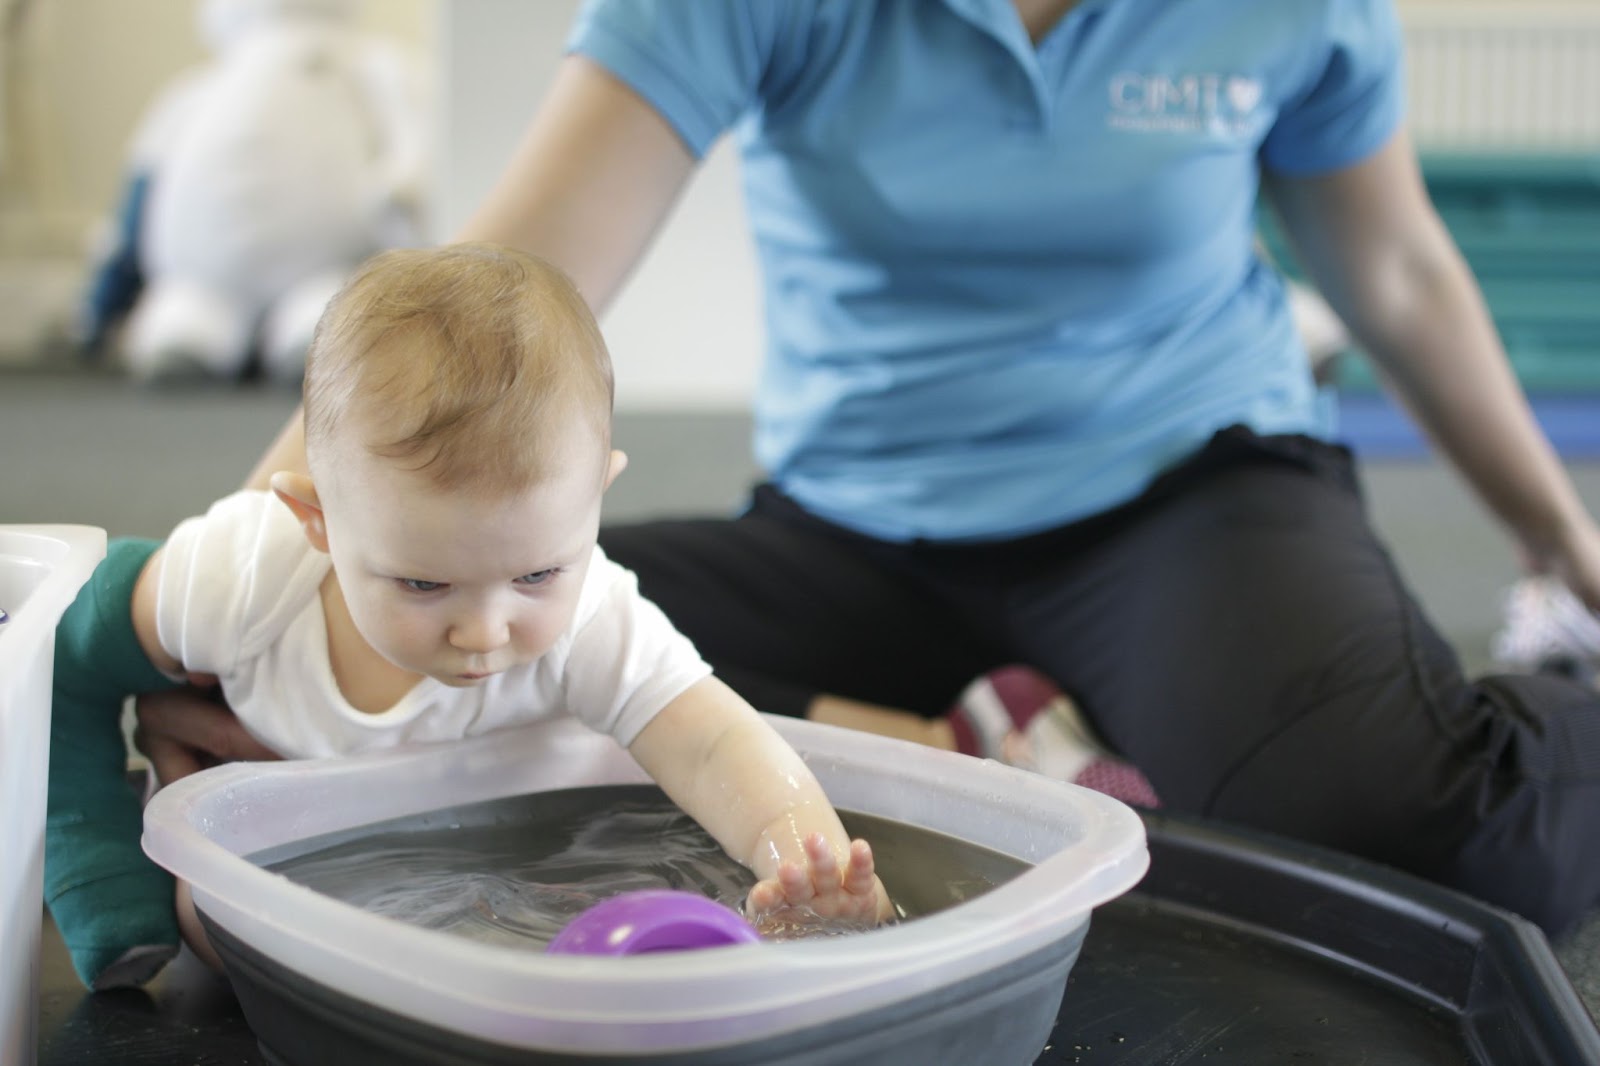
[[1547, 629], [256, 182], [1321, 331]]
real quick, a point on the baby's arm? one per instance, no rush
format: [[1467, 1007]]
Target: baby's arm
[[718, 760], [144, 624], [143, 609]]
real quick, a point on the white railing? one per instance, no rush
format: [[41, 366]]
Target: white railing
[[1514, 75]]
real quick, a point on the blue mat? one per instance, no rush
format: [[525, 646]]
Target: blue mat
[[1377, 429]]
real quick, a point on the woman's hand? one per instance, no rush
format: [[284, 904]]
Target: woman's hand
[[1572, 555], [185, 730], [819, 892]]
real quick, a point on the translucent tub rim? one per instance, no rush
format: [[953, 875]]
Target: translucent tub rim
[[1088, 848]]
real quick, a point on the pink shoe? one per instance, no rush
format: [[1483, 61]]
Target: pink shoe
[[1016, 715]]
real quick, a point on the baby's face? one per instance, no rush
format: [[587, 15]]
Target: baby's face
[[459, 587]]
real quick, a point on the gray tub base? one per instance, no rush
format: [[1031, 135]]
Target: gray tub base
[[1000, 1017]]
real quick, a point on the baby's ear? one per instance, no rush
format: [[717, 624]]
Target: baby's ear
[[616, 463], [300, 495]]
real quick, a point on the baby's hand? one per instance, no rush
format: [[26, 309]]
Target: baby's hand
[[819, 892]]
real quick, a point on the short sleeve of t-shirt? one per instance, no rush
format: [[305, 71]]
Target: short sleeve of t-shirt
[[700, 63], [626, 661], [1352, 97], [225, 574]]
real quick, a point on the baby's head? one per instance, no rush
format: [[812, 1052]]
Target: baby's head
[[472, 365], [458, 424]]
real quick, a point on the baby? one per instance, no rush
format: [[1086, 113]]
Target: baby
[[435, 576]]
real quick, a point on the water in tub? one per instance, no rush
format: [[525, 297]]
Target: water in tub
[[515, 871]]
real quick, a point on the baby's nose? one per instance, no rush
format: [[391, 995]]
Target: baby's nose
[[480, 632]]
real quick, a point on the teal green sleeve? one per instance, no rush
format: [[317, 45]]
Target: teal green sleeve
[[113, 906]]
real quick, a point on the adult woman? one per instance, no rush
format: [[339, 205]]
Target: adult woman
[[1031, 396]]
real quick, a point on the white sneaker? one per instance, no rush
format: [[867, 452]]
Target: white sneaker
[[1547, 629]]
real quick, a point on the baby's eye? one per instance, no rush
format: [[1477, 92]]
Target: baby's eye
[[538, 577], [418, 585]]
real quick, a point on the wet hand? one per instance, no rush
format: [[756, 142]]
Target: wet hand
[[819, 892]]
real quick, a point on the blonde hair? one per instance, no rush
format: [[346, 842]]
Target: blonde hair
[[467, 361]]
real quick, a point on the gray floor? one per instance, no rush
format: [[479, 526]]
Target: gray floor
[[94, 449], [87, 448]]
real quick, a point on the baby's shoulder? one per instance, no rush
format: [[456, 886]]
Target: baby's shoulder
[[248, 558], [243, 538]]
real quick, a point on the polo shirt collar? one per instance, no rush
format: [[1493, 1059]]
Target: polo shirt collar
[[999, 19]]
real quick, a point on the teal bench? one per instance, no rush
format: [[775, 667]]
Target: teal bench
[[1529, 225]]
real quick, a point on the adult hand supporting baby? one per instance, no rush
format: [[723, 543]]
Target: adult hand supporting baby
[[185, 730]]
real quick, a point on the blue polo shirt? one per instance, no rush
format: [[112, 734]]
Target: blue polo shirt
[[1006, 285]]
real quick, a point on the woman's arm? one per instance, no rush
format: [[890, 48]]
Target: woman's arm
[[1372, 241], [592, 181], [594, 178]]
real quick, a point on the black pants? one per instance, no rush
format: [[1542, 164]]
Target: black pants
[[1238, 632]]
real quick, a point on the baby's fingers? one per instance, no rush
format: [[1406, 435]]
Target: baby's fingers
[[765, 896], [795, 880], [825, 873], [859, 876]]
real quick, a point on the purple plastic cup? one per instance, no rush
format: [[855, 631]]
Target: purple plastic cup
[[634, 923]]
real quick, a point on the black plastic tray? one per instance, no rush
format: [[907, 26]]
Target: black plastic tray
[[1243, 948], [1236, 948]]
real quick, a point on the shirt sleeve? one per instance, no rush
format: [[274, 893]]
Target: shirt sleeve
[[1352, 96], [700, 63], [626, 660], [220, 574]]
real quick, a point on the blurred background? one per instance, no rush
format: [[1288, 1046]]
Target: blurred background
[[1505, 106]]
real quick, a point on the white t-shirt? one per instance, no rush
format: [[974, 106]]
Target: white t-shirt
[[238, 597]]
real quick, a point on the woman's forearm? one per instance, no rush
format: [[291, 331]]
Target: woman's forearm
[[1432, 338], [1374, 244]]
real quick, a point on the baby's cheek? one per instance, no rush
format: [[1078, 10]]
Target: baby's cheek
[[404, 637], [543, 628], [541, 637]]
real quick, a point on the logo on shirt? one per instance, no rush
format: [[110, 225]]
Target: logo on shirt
[[1222, 104]]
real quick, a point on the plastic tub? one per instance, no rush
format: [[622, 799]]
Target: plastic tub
[[996, 965], [41, 570]]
